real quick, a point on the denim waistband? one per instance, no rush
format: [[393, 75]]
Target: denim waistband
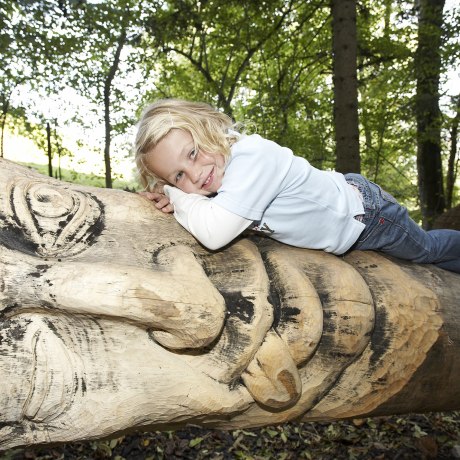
[[370, 193]]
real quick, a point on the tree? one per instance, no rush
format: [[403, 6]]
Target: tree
[[107, 105], [49, 150], [428, 115], [81, 45], [286, 94], [170, 333], [120, 53], [12, 71], [34, 44], [218, 41], [5, 104], [452, 167], [107, 28], [344, 49], [274, 78]]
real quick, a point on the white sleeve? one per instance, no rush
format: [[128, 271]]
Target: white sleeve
[[211, 224], [254, 176]]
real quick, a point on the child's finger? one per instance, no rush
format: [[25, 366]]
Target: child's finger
[[168, 208], [161, 201], [149, 195]]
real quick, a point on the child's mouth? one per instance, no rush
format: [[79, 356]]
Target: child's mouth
[[208, 180]]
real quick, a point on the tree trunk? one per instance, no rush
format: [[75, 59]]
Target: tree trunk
[[428, 114], [5, 108], [114, 318], [344, 49], [49, 151], [453, 161], [107, 90]]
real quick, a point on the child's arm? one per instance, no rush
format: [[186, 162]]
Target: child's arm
[[211, 224]]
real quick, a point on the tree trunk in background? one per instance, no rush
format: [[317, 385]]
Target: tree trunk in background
[[49, 150], [453, 161], [345, 85], [107, 91], [428, 114], [5, 107]]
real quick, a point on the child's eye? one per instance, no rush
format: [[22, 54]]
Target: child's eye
[[193, 154], [179, 176]]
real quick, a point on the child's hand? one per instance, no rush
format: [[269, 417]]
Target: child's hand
[[162, 202]]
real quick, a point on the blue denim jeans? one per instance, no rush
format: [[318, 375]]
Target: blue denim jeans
[[389, 229]]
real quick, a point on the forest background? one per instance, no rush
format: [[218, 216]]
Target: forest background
[[350, 85]]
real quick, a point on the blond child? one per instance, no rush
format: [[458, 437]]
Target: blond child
[[193, 161]]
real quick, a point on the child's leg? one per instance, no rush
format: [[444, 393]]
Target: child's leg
[[390, 229], [447, 243]]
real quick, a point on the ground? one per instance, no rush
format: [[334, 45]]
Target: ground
[[430, 436]]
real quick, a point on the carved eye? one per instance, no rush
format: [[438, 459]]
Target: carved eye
[[53, 220]]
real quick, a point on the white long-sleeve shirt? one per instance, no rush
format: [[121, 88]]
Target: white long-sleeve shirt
[[211, 224], [278, 193]]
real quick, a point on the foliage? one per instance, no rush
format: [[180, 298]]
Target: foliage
[[76, 44], [410, 437], [265, 62], [275, 77], [386, 92], [281, 82]]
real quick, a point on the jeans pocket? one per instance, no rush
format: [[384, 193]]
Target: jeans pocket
[[370, 234]]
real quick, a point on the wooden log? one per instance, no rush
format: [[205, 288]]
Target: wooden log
[[113, 318]]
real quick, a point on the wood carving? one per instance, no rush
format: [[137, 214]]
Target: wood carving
[[113, 318]]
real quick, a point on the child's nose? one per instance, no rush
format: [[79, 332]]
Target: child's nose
[[195, 174]]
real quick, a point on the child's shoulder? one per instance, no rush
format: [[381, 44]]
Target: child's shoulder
[[254, 150], [255, 143], [249, 143]]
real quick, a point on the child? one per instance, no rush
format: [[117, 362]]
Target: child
[[193, 161]]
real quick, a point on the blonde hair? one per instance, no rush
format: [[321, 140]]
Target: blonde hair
[[211, 130]]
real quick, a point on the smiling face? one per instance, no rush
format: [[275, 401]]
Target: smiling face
[[175, 160]]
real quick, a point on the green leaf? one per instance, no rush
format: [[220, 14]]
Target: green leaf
[[272, 433], [195, 442]]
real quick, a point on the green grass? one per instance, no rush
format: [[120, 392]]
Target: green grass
[[75, 177]]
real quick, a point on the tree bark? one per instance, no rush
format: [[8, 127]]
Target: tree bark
[[452, 165], [107, 90], [5, 108], [113, 318], [428, 114], [344, 51], [49, 152]]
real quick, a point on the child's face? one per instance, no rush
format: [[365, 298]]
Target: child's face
[[175, 160]]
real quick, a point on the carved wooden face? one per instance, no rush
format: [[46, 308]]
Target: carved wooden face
[[112, 317]]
